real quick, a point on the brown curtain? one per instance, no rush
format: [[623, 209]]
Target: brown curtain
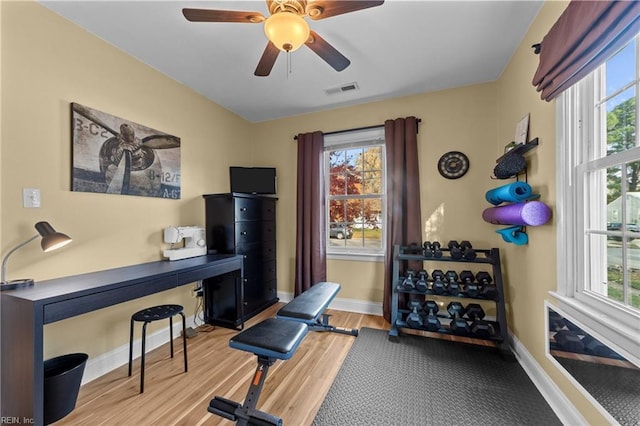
[[585, 35], [311, 264], [403, 195]]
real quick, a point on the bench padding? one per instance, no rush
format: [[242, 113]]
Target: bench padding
[[272, 338], [309, 305]]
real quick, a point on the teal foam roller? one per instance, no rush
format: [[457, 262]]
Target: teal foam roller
[[530, 213], [511, 193], [514, 234]]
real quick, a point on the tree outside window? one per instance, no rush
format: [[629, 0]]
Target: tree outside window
[[355, 198]]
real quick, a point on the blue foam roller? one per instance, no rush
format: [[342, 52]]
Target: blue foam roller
[[510, 193]]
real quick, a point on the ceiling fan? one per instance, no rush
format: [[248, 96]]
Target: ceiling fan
[[287, 29]]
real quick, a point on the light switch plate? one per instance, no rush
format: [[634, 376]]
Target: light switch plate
[[31, 197]]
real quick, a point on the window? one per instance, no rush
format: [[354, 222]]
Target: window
[[355, 192], [599, 195]]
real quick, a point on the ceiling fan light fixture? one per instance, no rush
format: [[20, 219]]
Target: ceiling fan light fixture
[[286, 30]]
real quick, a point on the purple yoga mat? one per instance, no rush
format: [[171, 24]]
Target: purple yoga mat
[[532, 213]]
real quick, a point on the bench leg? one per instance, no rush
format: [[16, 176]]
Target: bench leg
[[251, 400], [322, 324], [246, 414]]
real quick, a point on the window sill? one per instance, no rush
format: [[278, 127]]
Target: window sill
[[623, 336], [358, 257]]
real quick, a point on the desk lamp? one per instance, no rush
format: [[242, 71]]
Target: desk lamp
[[51, 240]]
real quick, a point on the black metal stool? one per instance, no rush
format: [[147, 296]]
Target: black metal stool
[[148, 315]]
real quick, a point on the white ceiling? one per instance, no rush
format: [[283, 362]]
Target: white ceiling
[[396, 49]]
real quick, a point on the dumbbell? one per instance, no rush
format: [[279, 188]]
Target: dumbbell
[[438, 286], [453, 288], [474, 311], [413, 248], [556, 321], [487, 291], [408, 283], [569, 341], [594, 347], [427, 252], [471, 289], [436, 250], [422, 284], [467, 250], [455, 250], [431, 308], [458, 325], [571, 326], [479, 327], [414, 319], [456, 309]]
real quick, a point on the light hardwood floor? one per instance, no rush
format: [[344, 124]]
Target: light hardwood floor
[[294, 389]]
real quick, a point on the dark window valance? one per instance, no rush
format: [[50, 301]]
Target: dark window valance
[[585, 36]]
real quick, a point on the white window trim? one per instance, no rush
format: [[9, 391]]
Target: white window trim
[[621, 326], [355, 139], [357, 257]]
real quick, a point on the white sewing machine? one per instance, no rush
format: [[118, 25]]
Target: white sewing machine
[[195, 243]]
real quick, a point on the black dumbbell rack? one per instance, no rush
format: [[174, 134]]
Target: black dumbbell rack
[[490, 257]]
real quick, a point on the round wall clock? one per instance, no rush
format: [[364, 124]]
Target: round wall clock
[[453, 165]]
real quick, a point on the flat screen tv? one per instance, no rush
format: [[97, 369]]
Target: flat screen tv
[[253, 180]]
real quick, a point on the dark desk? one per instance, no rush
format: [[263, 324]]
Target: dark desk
[[25, 311]]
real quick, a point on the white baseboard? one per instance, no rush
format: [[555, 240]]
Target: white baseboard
[[109, 361], [339, 304], [285, 297], [560, 404]]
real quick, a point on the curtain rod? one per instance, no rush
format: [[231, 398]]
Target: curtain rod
[[295, 138]]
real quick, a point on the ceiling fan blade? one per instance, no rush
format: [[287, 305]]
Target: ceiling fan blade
[[322, 9], [327, 52], [267, 61], [208, 15]]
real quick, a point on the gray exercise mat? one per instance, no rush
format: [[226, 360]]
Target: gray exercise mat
[[423, 381]]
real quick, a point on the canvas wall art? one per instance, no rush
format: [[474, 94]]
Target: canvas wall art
[[113, 155]]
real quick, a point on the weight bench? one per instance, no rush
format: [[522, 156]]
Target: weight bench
[[309, 308], [270, 340], [274, 339]]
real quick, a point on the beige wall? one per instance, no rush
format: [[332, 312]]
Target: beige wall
[[1, 124], [530, 270], [47, 63], [462, 119]]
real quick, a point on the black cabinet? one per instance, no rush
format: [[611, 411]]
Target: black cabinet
[[242, 224], [489, 290], [223, 300]]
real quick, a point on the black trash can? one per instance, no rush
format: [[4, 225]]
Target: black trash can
[[62, 378]]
